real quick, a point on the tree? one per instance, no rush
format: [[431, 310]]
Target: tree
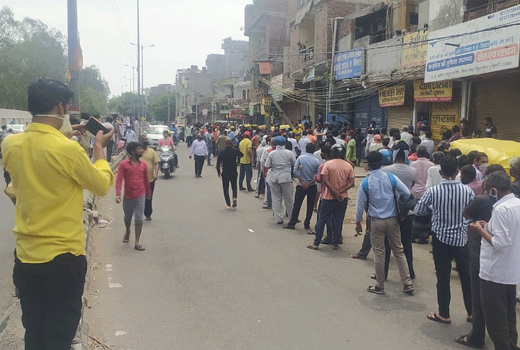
[[125, 104], [28, 49], [158, 107]]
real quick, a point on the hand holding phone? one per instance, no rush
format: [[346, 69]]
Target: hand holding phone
[[94, 126]]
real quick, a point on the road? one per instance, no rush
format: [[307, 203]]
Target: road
[[211, 278], [7, 245]]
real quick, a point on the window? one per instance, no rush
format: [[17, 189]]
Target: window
[[244, 94]]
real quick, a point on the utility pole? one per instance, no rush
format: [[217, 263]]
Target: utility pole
[[138, 64], [73, 51]]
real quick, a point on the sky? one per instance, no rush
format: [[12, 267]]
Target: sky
[[183, 33]]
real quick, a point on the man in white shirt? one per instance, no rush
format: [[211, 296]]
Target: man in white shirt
[[406, 136], [294, 143], [434, 176], [200, 151], [302, 144], [499, 262], [428, 143]]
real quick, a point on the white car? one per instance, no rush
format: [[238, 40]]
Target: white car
[[155, 133], [17, 128]]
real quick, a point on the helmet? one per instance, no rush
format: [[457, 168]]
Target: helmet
[[337, 151]]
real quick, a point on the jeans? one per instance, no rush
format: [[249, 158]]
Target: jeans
[[189, 140], [51, 300], [406, 240], [499, 305], [199, 164], [443, 254], [229, 178], [210, 151], [246, 171], [260, 186], [330, 208], [310, 192], [269, 196], [148, 209]]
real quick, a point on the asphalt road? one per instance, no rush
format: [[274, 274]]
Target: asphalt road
[[211, 278]]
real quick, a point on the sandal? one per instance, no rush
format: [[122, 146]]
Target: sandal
[[463, 340], [312, 247], [409, 289], [436, 318], [358, 257], [126, 239], [139, 247], [311, 232], [375, 289]]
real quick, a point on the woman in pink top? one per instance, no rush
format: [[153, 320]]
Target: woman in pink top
[[422, 164]]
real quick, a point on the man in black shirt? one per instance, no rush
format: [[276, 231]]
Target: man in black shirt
[[491, 130], [228, 159]]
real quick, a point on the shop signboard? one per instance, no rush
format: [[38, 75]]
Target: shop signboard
[[392, 96], [349, 64], [415, 49], [483, 45], [443, 116], [441, 91]]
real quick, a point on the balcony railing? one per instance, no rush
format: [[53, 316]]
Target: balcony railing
[[307, 54], [490, 8]]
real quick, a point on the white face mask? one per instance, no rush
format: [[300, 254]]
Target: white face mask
[[65, 127]]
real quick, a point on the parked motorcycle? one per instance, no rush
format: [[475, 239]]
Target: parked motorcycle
[[167, 161]]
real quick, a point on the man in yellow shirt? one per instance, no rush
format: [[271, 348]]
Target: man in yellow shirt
[[49, 172], [246, 147]]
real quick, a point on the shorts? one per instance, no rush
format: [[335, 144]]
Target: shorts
[[135, 208]]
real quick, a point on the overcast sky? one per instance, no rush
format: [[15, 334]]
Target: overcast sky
[[184, 32]]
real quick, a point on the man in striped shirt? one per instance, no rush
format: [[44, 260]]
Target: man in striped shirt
[[447, 202]]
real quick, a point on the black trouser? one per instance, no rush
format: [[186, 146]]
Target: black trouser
[[443, 254], [406, 240], [189, 140], [310, 192], [477, 335], [50, 297], [110, 150], [148, 210], [228, 178], [199, 164], [367, 245], [246, 171], [499, 305]]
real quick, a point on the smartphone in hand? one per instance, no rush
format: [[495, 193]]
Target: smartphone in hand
[[94, 126]]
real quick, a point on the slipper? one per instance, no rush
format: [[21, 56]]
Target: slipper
[[409, 289], [139, 248], [311, 232], [375, 290], [436, 318], [463, 341], [356, 256], [312, 247], [126, 240]]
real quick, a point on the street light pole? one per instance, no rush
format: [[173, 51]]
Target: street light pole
[[133, 76], [142, 64], [129, 82], [73, 52]]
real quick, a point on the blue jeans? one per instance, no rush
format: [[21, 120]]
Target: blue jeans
[[246, 171], [269, 198], [330, 209]]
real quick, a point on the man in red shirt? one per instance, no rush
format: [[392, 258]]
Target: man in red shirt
[[134, 173]]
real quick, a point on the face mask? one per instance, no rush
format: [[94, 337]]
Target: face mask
[[493, 198], [483, 167], [65, 127]]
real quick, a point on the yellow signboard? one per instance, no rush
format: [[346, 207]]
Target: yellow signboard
[[392, 96], [415, 49], [443, 116], [440, 91]]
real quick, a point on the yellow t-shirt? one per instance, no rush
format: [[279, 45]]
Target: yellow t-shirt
[[49, 173], [151, 158], [243, 146]]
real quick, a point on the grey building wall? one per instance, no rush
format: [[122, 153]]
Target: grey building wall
[[445, 13]]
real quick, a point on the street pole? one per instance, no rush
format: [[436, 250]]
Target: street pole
[[73, 45], [138, 64]]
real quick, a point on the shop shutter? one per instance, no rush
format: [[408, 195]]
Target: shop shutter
[[361, 114], [377, 113], [399, 116], [498, 98]]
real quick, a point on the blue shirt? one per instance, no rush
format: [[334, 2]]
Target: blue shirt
[[309, 168], [381, 201], [387, 156]]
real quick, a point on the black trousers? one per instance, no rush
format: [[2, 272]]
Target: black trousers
[[148, 209], [499, 305], [51, 300], [110, 150], [310, 192], [477, 335], [227, 179], [443, 254], [367, 245], [406, 240], [189, 140], [199, 164]]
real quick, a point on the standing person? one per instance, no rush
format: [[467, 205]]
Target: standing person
[[260, 179], [351, 150], [480, 163], [377, 191], [200, 151], [491, 130], [134, 173], [228, 159], [305, 170], [406, 136], [294, 143], [246, 147], [376, 144], [337, 177], [189, 135], [208, 138], [153, 162], [422, 165], [110, 147], [434, 176], [302, 144], [49, 173], [221, 141], [130, 135], [447, 201], [386, 152], [499, 261], [280, 163], [428, 142]]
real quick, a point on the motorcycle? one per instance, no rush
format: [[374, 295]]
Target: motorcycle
[[167, 155]]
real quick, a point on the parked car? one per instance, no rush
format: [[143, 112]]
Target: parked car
[[16, 127], [155, 133]]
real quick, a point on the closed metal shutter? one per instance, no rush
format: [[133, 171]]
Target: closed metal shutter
[[368, 110], [399, 116], [498, 98]]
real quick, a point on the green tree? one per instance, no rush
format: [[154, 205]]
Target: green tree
[[94, 91], [28, 49], [125, 104], [158, 107]]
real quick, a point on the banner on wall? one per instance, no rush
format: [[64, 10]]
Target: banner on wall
[[441, 91], [443, 117], [415, 49], [392, 96]]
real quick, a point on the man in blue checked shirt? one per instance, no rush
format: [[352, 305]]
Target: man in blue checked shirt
[[305, 170]]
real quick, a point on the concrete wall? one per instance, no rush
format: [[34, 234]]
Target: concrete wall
[[385, 57], [445, 13], [424, 13]]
